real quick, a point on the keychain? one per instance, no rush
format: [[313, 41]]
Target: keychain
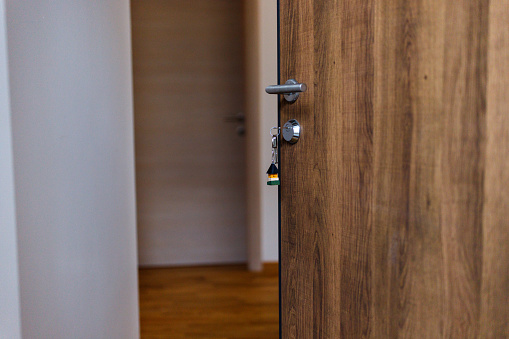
[[273, 172]]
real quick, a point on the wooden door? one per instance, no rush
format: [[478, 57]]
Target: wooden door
[[395, 201], [188, 87]]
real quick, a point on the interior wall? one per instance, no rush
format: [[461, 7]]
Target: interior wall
[[253, 187], [261, 108], [71, 101], [10, 324], [268, 110]]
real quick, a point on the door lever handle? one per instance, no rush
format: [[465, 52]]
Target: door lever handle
[[290, 90], [239, 118]]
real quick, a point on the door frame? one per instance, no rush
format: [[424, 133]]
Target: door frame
[[261, 68]]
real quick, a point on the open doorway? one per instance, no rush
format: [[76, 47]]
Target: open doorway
[[199, 199]]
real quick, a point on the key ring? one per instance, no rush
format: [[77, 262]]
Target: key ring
[[273, 172]]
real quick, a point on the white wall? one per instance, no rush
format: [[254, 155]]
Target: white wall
[[261, 109], [71, 100], [9, 291], [267, 23]]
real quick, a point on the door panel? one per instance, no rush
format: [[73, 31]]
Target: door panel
[[188, 77], [391, 201]]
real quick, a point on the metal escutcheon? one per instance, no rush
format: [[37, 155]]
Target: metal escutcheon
[[291, 131]]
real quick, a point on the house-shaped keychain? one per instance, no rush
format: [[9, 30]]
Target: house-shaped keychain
[[273, 175]]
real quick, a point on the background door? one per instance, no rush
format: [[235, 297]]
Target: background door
[[394, 216], [188, 79]]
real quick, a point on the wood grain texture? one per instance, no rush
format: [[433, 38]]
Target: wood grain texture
[[392, 199], [495, 264], [222, 302], [406, 247], [190, 163], [302, 279]]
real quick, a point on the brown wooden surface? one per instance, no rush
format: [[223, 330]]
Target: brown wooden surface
[[190, 163], [394, 201], [223, 302]]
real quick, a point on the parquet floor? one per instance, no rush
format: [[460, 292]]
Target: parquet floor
[[223, 302]]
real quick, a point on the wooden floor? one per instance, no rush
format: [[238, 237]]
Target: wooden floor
[[209, 302]]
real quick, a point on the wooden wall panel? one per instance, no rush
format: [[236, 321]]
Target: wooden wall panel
[[392, 199]]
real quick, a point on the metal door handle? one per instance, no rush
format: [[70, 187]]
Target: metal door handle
[[290, 90]]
